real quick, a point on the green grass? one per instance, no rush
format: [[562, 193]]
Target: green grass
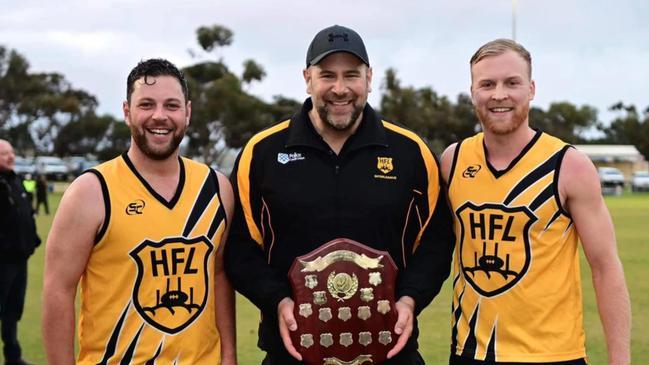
[[630, 214]]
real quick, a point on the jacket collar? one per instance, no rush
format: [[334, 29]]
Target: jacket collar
[[302, 132]]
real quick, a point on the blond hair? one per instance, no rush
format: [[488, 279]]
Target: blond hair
[[498, 47]]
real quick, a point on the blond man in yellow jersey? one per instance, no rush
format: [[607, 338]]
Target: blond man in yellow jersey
[[522, 200], [143, 235]]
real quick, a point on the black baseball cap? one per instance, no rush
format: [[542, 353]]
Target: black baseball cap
[[336, 39]]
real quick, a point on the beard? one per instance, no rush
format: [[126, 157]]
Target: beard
[[501, 126], [154, 152], [341, 125]]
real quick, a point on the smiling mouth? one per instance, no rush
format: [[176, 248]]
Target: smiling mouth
[[500, 110], [159, 131]]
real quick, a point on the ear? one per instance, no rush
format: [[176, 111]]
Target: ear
[[189, 112], [306, 73], [532, 89], [369, 79], [127, 112]]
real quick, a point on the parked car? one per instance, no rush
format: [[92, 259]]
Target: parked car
[[612, 180], [24, 166], [53, 167], [640, 181]]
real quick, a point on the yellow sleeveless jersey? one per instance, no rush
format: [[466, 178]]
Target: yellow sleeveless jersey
[[516, 288], [147, 294]]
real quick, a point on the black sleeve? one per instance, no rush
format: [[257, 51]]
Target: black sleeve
[[430, 264], [245, 258]]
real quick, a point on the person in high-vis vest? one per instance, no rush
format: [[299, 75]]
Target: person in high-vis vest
[[522, 200], [143, 235]]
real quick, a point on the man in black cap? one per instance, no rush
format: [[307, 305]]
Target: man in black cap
[[337, 169], [18, 239]]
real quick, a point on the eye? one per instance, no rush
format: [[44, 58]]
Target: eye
[[145, 105], [173, 106]]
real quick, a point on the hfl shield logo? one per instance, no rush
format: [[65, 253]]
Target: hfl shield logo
[[172, 282], [384, 164], [495, 251]]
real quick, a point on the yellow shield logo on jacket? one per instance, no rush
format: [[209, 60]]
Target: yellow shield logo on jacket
[[172, 282], [384, 164], [495, 250]]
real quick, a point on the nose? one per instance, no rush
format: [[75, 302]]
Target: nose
[[159, 113], [499, 92], [339, 86]]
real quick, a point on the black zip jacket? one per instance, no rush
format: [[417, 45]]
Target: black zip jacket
[[18, 237], [293, 194]]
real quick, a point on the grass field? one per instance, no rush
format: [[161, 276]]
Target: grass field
[[631, 217]]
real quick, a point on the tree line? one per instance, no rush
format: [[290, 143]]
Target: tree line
[[43, 113]]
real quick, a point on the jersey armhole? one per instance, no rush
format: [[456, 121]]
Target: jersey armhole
[[214, 176], [555, 182], [106, 196], [451, 172]]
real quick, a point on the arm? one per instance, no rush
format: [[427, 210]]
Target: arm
[[446, 161], [430, 263], [580, 188], [245, 260], [225, 304], [69, 245]]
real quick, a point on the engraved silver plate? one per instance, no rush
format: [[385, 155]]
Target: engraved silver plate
[[326, 339], [306, 340], [344, 313], [310, 281], [325, 314], [383, 306], [375, 278], [364, 312], [346, 339], [319, 297], [367, 294], [305, 310], [365, 338], [385, 337]]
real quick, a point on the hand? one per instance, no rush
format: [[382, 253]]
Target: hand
[[287, 323], [405, 307]]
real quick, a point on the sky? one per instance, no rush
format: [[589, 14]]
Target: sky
[[587, 52]]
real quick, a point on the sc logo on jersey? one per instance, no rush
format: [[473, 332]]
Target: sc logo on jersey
[[494, 255], [471, 171], [172, 282], [135, 207]]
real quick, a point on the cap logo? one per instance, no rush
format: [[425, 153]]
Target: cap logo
[[333, 36]]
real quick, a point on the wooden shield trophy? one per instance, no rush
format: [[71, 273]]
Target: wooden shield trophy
[[344, 304]]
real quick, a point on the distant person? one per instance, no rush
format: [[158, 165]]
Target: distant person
[[522, 200], [143, 235], [42, 190], [30, 188], [18, 240], [337, 168]]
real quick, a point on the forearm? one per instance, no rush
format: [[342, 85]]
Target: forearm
[[225, 319], [615, 312], [58, 325]]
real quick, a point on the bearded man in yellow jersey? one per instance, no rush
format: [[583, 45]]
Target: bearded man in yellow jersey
[[143, 235], [522, 200]]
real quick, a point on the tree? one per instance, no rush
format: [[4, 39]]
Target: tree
[[565, 120], [432, 116], [629, 127], [35, 106], [224, 114]]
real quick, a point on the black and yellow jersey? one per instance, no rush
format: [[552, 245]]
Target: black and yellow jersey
[[147, 294], [516, 287], [293, 194]]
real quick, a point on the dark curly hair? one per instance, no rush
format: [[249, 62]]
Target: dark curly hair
[[154, 67]]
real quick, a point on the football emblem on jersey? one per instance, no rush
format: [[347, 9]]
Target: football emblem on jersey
[[384, 164], [172, 283], [495, 251]]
